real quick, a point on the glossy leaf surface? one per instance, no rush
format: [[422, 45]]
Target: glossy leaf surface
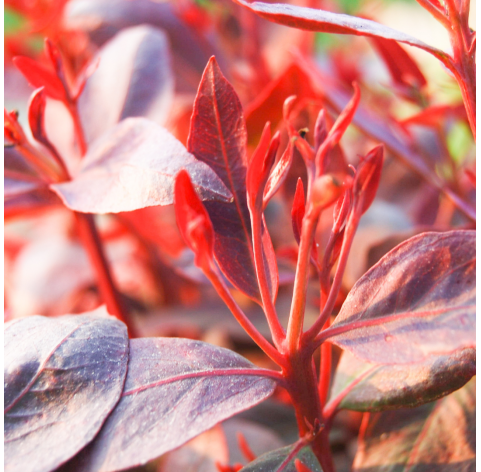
[[326, 22], [417, 301], [435, 437], [217, 137], [386, 387], [63, 376], [282, 460], [175, 389], [133, 166], [133, 78]]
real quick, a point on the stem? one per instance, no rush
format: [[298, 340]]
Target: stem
[[464, 67], [79, 133], [296, 317], [350, 231], [39, 161], [241, 317], [277, 331], [93, 245], [301, 381], [436, 12]]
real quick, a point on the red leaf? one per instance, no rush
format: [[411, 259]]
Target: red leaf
[[367, 178], [298, 210], [268, 106], [326, 22], [39, 76], [134, 79], [54, 401], [279, 174], [417, 301], [404, 70], [218, 137], [133, 166], [175, 389], [193, 221]]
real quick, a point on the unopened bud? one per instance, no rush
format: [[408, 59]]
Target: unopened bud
[[327, 189]]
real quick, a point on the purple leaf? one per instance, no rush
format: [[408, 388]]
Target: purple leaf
[[133, 78], [436, 437], [175, 390], [218, 137], [133, 166], [327, 22], [386, 387], [63, 376], [283, 459], [417, 301], [14, 185]]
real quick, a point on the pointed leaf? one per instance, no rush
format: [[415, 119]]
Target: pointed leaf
[[133, 166], [218, 137], [63, 376], [133, 78], [435, 437], [283, 460], [326, 22], [40, 76], [417, 301], [175, 389], [269, 103], [386, 387]]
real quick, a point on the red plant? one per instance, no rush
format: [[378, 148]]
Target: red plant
[[89, 392]]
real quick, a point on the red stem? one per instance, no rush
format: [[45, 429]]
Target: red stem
[[277, 331], [241, 317], [350, 231], [79, 133], [93, 245], [296, 317]]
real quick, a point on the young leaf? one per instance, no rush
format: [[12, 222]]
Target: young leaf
[[326, 22], [175, 389], [193, 221], [435, 437], [283, 460], [133, 166], [217, 137], [63, 376], [40, 76], [268, 105], [133, 78], [386, 387], [417, 301]]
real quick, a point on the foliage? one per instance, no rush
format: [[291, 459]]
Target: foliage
[[170, 146]]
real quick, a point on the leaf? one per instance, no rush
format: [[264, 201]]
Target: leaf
[[435, 437], [133, 166], [386, 387], [272, 461], [218, 137], [63, 376], [175, 389], [133, 78], [40, 76], [417, 301], [268, 104], [17, 184], [326, 22]]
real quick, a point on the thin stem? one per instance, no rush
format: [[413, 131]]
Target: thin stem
[[93, 245], [435, 11], [79, 133], [296, 317], [39, 161], [350, 231], [325, 369], [241, 317], [277, 331]]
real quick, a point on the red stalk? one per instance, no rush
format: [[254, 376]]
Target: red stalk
[[93, 245]]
